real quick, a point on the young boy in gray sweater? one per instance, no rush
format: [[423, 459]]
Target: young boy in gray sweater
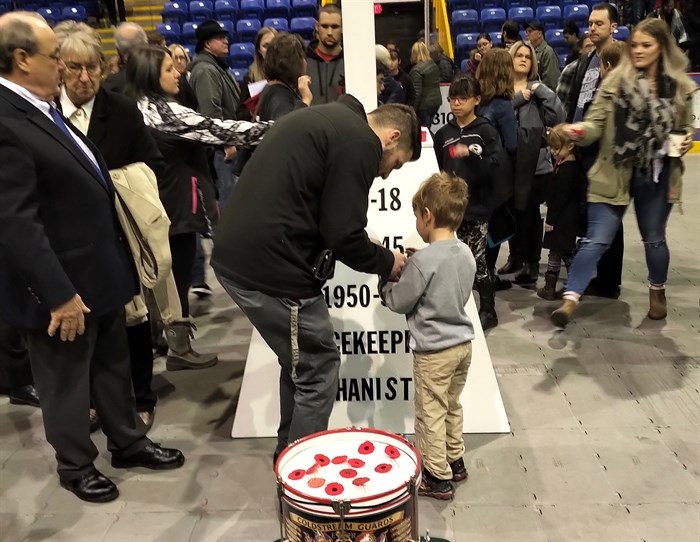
[[432, 292]]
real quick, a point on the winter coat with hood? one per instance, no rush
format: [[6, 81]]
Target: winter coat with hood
[[486, 165], [542, 110], [327, 78]]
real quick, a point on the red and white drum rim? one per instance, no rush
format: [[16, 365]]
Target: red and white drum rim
[[362, 430]]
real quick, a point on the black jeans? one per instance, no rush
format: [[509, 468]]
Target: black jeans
[[527, 243], [141, 357], [15, 370], [68, 375], [183, 248]]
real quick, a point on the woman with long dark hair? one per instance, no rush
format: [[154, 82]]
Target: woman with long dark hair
[[186, 187], [642, 117]]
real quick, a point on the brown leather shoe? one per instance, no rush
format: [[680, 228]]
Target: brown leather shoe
[[657, 304], [562, 315]]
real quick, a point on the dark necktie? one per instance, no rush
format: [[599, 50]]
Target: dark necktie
[[58, 120]]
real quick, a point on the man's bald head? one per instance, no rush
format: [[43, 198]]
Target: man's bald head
[[18, 30], [29, 53], [129, 36]]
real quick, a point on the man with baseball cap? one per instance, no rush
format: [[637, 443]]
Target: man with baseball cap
[[547, 59], [217, 92]]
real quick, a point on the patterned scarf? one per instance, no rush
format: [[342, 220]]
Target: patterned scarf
[[643, 122]]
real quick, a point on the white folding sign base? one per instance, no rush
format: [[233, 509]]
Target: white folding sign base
[[375, 388]]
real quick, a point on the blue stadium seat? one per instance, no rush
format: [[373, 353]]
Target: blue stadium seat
[[189, 32], [562, 61], [228, 27], [201, 10], [564, 3], [190, 50], [490, 4], [621, 33], [465, 20], [455, 5], [521, 15], [463, 65], [277, 9], [74, 13], [465, 43], [538, 3], [247, 29], [278, 23], [304, 26], [175, 12], [225, 10], [555, 38], [304, 8], [238, 74], [240, 55], [520, 4], [577, 13], [170, 31], [252, 9], [492, 19], [50, 14], [496, 37], [549, 16]]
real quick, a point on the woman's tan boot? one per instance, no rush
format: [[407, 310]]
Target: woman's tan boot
[[562, 315], [657, 304]]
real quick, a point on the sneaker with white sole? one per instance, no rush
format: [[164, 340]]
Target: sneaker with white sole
[[201, 290]]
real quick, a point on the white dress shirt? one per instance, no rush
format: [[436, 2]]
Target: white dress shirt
[[79, 116]]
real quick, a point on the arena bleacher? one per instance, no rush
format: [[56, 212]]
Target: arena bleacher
[[469, 18], [242, 19]]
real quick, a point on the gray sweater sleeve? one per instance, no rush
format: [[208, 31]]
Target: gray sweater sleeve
[[403, 296]]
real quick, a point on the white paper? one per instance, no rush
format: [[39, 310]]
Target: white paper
[[256, 88]]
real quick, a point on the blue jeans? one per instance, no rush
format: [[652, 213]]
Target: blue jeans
[[225, 179], [652, 208]]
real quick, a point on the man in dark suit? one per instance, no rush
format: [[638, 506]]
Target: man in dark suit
[[65, 268], [114, 124]]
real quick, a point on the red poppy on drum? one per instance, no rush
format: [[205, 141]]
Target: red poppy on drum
[[334, 489]]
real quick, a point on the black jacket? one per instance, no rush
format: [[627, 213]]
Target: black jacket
[[479, 169], [588, 154], [327, 78], [116, 82], [118, 131], [60, 231], [563, 195], [304, 190]]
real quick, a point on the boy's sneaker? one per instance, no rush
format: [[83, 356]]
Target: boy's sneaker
[[435, 488], [201, 290], [459, 471]]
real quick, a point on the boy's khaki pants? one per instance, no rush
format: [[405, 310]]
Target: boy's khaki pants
[[438, 379]]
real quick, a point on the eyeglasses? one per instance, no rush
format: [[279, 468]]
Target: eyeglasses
[[458, 99], [180, 58], [73, 68], [56, 57]]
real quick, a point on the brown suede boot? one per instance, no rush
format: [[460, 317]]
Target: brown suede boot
[[562, 315], [657, 304]]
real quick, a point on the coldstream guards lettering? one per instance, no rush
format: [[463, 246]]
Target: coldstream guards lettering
[[373, 342]]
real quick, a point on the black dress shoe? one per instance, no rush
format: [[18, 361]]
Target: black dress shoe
[[92, 487], [24, 395], [151, 457]]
